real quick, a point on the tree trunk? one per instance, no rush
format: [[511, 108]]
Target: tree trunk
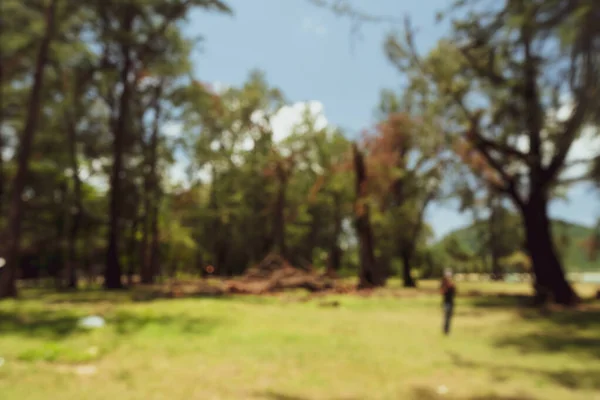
[[497, 273], [145, 276], [371, 274], [8, 274], [335, 252], [151, 195], [279, 219], [154, 269], [549, 275], [1, 162], [112, 272], [62, 236], [410, 246], [407, 269], [131, 256], [70, 271], [1, 150]]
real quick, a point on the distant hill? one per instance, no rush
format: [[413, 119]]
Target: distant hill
[[576, 258]]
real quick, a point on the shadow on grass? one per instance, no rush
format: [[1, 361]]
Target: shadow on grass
[[127, 323], [569, 331], [135, 294], [138, 294], [557, 329], [272, 395], [553, 342], [500, 300], [60, 324], [418, 393], [425, 393], [568, 378], [39, 323]]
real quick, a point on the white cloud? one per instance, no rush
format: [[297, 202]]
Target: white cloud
[[312, 26], [288, 117]]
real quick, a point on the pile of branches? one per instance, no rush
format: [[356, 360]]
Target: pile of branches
[[275, 274]]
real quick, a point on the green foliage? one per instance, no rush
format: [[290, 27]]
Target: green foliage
[[468, 241], [119, 77]]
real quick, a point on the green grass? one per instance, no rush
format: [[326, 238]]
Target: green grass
[[384, 346]]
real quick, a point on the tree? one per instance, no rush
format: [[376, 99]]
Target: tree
[[130, 29], [372, 273], [13, 234], [230, 140], [405, 165], [505, 74]]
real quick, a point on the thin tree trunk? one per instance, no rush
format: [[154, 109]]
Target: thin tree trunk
[[1, 162], [550, 281], [497, 273], [410, 247], [71, 275], [8, 274], [112, 272], [1, 148], [279, 220], [407, 276], [371, 274], [144, 256], [151, 195], [132, 252], [145, 276], [304, 256], [154, 241], [62, 236], [482, 248], [335, 253]]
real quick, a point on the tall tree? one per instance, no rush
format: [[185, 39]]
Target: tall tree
[[140, 33], [13, 233], [406, 163], [372, 273], [506, 74]]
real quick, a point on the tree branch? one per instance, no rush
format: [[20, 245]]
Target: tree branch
[[510, 184], [502, 148], [531, 97], [578, 179], [585, 94]]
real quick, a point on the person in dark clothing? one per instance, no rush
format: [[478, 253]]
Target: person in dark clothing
[[448, 289]]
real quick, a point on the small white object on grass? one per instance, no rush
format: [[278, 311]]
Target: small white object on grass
[[1, 361], [442, 390], [92, 322], [86, 370]]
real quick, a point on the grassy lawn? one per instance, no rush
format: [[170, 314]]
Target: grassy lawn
[[384, 346]]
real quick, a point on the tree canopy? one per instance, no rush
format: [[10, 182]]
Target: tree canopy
[[101, 103]]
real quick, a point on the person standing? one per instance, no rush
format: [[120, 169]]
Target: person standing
[[448, 290]]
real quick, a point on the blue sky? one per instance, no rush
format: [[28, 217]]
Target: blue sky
[[308, 53]]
